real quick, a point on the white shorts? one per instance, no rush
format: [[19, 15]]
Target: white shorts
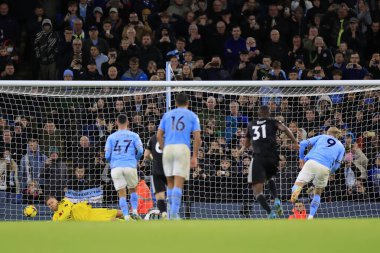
[[176, 160], [315, 171], [124, 177]]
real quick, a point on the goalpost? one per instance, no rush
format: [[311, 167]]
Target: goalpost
[[53, 134]]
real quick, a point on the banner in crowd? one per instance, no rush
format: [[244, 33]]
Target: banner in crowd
[[93, 195]]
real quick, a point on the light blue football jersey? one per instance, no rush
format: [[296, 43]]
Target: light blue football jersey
[[178, 124], [326, 150], [121, 148]]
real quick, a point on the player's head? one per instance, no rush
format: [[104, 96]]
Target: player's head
[[52, 202], [299, 206], [182, 100], [334, 131], [122, 121], [264, 112]]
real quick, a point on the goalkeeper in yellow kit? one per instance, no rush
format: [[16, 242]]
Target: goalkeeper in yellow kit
[[65, 210]]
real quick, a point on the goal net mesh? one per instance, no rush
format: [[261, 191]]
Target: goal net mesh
[[52, 143]]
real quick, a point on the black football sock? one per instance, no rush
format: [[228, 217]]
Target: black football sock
[[263, 202], [272, 188], [161, 205]]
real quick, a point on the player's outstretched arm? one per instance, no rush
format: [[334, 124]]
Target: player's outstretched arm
[[197, 144]]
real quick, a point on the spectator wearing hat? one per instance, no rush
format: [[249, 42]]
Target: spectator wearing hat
[[68, 75], [117, 21], [354, 38], [95, 40], [46, 50], [97, 17], [244, 69]]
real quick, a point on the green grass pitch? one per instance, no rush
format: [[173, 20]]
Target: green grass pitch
[[233, 236]]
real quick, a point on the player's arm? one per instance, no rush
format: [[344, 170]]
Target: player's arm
[[148, 153], [139, 148], [339, 161], [197, 143], [303, 145], [161, 133], [108, 149], [196, 131], [288, 133]]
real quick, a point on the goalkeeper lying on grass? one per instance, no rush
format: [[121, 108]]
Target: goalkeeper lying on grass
[[65, 210]]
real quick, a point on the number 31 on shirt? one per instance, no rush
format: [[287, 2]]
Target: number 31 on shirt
[[259, 132]]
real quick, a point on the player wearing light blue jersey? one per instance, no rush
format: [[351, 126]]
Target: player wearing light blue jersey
[[174, 136], [325, 157], [123, 151]]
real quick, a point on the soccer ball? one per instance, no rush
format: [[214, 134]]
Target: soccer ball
[[30, 211], [153, 214]]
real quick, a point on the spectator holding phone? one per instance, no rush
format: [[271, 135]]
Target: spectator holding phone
[[353, 70]]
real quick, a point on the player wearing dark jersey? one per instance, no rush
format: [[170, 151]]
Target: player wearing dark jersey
[[154, 153], [262, 135]]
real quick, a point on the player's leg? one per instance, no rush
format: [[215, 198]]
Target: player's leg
[[170, 181], [315, 202], [132, 181], [272, 168], [277, 202], [258, 189], [306, 174], [159, 186], [120, 185], [181, 171], [320, 182], [167, 162], [258, 177]]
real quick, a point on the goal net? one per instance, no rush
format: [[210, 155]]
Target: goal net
[[53, 136]]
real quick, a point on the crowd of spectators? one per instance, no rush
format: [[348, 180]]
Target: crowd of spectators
[[202, 39], [49, 145]]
